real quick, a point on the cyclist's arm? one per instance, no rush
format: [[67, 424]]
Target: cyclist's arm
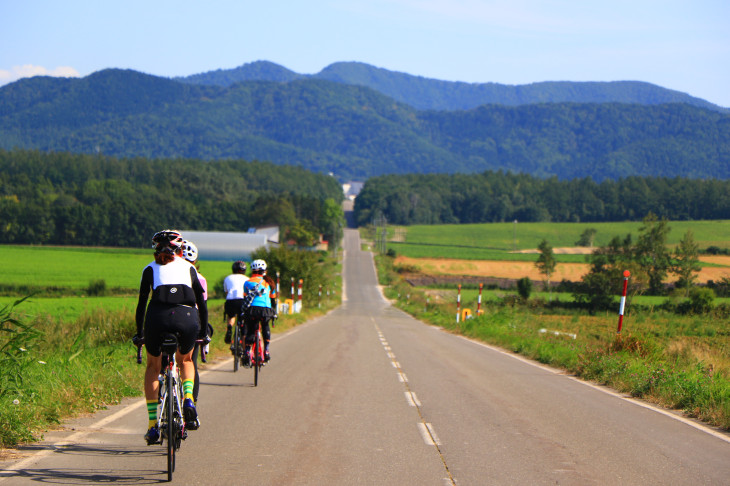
[[145, 286], [200, 299]]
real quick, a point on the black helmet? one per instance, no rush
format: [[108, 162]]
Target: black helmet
[[167, 240], [239, 266]]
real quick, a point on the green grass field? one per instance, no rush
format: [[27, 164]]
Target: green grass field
[[495, 241], [76, 267]]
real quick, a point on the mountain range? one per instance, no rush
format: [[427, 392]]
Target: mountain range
[[432, 94], [358, 121]]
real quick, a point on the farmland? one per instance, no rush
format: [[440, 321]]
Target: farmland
[[679, 361]]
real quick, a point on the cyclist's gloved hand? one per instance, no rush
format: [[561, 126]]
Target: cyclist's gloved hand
[[137, 340], [203, 333]]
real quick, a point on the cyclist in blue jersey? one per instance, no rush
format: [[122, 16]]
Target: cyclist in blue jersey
[[262, 309], [174, 290]]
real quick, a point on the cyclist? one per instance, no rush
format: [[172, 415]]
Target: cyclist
[[175, 291], [233, 287], [262, 309], [190, 253]]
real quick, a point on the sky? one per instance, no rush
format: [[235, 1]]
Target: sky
[[677, 44]]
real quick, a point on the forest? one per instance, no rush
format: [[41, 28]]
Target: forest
[[73, 199], [501, 196]]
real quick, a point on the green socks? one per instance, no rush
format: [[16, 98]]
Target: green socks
[[152, 412], [188, 389]]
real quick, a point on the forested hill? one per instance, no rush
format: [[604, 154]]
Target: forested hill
[[69, 199], [497, 197], [356, 132], [433, 94]]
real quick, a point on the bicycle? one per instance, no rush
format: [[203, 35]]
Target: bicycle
[[170, 418]]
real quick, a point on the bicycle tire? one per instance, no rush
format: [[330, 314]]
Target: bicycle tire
[[171, 432], [236, 346], [258, 357]]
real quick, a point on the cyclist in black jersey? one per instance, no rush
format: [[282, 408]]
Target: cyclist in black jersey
[[175, 292]]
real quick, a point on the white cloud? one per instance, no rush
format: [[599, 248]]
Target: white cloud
[[28, 70]]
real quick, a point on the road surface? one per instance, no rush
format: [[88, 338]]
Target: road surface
[[367, 395]]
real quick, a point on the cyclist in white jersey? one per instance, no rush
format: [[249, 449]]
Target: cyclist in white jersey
[[233, 287]]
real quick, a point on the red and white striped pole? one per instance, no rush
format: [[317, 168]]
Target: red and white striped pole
[[458, 304], [479, 301], [627, 274], [299, 295], [292, 291]]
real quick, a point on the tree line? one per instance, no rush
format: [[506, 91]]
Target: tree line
[[502, 196], [76, 199]]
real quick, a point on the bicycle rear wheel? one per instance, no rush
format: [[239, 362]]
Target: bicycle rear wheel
[[258, 358], [236, 346], [171, 429]]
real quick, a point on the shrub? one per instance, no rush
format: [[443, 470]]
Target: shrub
[[524, 287], [96, 288]]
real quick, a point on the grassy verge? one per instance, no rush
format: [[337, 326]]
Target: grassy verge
[[680, 362]]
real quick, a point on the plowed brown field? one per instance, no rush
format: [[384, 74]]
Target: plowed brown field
[[511, 269]]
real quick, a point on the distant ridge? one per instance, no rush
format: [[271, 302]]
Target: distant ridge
[[432, 94], [356, 132]]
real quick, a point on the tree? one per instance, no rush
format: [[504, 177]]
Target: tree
[[586, 238], [546, 262], [686, 262], [651, 252], [333, 222], [524, 288]]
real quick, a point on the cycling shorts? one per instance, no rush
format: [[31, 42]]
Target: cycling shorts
[[232, 307], [161, 319]]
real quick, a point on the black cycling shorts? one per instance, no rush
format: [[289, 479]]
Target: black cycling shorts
[[161, 319], [232, 307], [254, 315]]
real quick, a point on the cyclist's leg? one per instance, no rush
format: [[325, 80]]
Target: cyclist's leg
[[187, 327], [266, 335], [152, 336]]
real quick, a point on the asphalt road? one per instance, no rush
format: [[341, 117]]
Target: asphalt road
[[368, 395]]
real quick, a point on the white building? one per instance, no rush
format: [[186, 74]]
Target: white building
[[231, 245]]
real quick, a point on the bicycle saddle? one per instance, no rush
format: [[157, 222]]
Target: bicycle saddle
[[169, 343]]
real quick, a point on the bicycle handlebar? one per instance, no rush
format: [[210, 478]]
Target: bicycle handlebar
[[201, 342]]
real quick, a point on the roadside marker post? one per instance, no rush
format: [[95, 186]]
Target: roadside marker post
[[627, 274], [319, 297], [479, 301], [299, 296], [458, 304], [292, 289]]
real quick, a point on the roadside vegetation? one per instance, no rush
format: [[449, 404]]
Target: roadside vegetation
[[71, 353], [673, 350]]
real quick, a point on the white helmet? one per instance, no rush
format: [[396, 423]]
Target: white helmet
[[258, 265], [190, 251]]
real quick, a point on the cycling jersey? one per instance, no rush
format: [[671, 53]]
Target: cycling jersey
[[257, 282], [233, 286], [175, 291]]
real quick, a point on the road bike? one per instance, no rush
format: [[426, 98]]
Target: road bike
[[256, 358], [237, 347], [170, 417]]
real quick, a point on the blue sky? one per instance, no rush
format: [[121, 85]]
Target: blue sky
[[678, 44]]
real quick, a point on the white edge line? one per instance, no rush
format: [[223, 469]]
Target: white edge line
[[640, 403]]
